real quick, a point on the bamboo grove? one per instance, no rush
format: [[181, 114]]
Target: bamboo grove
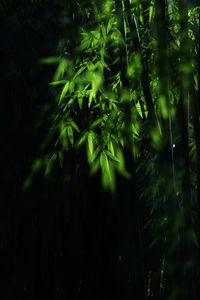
[[127, 96]]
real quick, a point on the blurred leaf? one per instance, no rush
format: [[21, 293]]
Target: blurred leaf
[[70, 135], [95, 154], [49, 60], [50, 164], [96, 123], [110, 23], [95, 167], [104, 162], [36, 165], [112, 156], [90, 143], [59, 82]]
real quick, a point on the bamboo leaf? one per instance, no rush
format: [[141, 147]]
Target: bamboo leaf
[[151, 10], [58, 82], [73, 124], [95, 154], [104, 162], [79, 72], [90, 143], [50, 164], [96, 123], [64, 91], [70, 135], [49, 60], [92, 95], [112, 156], [105, 64], [109, 26], [82, 139], [95, 167], [80, 102], [111, 148]]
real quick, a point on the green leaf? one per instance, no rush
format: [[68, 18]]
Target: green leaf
[[71, 86], [90, 143], [95, 154], [27, 183], [58, 82], [105, 64], [109, 26], [70, 134], [64, 91], [82, 139], [151, 12], [112, 156], [50, 164], [79, 72], [120, 167], [63, 135], [96, 123], [92, 95], [122, 142], [73, 124], [139, 110], [49, 60], [80, 102], [104, 162], [111, 148], [107, 176], [36, 165], [95, 167]]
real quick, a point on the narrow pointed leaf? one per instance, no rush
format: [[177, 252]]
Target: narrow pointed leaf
[[50, 164], [70, 134], [64, 91]]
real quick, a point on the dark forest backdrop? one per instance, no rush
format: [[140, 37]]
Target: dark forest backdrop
[[123, 104]]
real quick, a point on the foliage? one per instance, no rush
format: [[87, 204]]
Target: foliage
[[130, 84]]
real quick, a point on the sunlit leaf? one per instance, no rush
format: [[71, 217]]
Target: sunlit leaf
[[73, 124], [91, 97], [105, 65], [90, 143], [111, 148], [138, 107], [151, 10], [82, 139], [104, 162], [59, 82], [79, 72], [64, 91], [112, 156], [95, 154], [80, 102]]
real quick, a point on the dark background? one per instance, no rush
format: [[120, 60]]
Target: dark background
[[63, 238]]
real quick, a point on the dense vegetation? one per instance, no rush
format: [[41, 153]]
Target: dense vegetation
[[121, 156]]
